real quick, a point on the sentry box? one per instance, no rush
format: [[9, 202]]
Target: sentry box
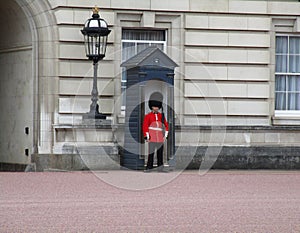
[[149, 71]]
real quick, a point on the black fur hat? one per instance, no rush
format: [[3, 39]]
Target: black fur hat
[[155, 100]]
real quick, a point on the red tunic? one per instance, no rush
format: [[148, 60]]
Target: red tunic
[[152, 127]]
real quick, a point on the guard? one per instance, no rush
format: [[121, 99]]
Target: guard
[[155, 130]]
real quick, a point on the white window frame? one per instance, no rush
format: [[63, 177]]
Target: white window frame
[[286, 113], [136, 42], [144, 42]]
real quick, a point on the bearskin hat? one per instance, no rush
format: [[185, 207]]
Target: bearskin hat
[[155, 100]]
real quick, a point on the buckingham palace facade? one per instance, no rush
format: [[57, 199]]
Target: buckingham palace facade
[[236, 87]]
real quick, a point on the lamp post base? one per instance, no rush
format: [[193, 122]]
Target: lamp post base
[[95, 119], [94, 113], [93, 116]]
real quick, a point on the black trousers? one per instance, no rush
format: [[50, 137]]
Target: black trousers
[[159, 146]]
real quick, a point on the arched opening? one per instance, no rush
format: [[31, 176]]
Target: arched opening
[[16, 85]]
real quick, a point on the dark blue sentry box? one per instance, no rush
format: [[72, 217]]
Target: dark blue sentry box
[[149, 71]]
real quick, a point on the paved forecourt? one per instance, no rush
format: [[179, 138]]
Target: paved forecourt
[[126, 201]]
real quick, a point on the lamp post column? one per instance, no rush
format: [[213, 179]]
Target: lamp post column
[[94, 107], [95, 34]]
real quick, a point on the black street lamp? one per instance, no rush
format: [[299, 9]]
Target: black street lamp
[[95, 33]]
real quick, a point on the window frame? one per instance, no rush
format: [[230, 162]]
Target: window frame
[[136, 42], [285, 113]]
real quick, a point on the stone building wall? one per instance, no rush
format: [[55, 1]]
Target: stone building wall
[[225, 50]]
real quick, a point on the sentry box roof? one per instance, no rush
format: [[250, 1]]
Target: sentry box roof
[[151, 56]]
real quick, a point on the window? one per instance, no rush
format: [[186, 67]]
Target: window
[[287, 74], [136, 40]]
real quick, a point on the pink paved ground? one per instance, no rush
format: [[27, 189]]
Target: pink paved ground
[[220, 201]]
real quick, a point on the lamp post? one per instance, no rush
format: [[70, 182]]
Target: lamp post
[[95, 33]]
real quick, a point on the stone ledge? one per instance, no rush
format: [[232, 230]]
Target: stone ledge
[[287, 121], [79, 158], [84, 126], [185, 127], [12, 167], [241, 157], [257, 128]]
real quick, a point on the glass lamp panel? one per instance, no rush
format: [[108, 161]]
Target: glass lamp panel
[[102, 44], [94, 23], [92, 46], [86, 44]]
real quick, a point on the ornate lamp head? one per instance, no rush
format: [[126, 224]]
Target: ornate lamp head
[[95, 33]]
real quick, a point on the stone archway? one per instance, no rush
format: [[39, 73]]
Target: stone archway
[[27, 80], [16, 94]]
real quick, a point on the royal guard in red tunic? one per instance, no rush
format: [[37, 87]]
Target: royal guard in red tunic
[[155, 129]]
